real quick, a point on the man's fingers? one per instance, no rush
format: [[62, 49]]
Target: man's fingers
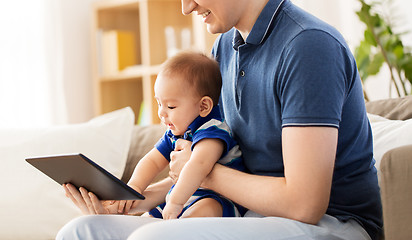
[[182, 144], [86, 198], [76, 197], [97, 205], [173, 176], [128, 206], [120, 208]]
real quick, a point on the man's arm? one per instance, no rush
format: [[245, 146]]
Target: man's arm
[[303, 194]]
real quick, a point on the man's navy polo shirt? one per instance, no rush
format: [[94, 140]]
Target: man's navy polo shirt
[[295, 70]]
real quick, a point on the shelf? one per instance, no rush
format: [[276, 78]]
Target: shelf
[[131, 72], [115, 96], [129, 44]]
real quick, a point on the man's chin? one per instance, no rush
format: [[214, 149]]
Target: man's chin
[[215, 30]]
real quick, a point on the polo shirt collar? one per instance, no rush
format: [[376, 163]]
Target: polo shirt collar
[[199, 121], [261, 27]]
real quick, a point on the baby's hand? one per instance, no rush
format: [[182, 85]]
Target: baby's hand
[[172, 210]]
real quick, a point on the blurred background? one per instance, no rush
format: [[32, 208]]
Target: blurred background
[[50, 72]]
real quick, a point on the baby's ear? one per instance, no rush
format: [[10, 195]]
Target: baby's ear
[[206, 106]]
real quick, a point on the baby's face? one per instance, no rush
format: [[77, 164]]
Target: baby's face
[[178, 104]]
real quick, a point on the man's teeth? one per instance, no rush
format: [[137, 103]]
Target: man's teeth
[[205, 14]]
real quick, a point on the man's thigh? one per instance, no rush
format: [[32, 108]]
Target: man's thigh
[[102, 227], [329, 228]]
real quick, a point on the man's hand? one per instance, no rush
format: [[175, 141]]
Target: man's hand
[[179, 157], [88, 203]]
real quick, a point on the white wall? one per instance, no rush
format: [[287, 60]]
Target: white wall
[[341, 15]]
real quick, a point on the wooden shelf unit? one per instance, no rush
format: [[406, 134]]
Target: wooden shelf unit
[[144, 22]]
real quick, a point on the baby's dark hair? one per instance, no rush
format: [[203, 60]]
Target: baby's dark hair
[[200, 71]]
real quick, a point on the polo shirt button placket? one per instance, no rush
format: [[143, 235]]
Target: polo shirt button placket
[[239, 87]]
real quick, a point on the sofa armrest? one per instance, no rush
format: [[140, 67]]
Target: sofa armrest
[[143, 140], [396, 192]]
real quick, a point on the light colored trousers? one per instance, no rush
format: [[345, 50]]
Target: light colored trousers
[[253, 227]]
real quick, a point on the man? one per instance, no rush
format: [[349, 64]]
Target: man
[[293, 98]]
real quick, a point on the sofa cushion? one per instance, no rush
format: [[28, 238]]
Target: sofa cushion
[[33, 206], [394, 108], [143, 140]]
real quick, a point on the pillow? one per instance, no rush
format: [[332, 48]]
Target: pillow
[[392, 108], [389, 134], [143, 140], [33, 206]]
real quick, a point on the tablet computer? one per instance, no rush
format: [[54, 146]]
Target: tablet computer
[[80, 171]]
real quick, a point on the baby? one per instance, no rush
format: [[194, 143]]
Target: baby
[[187, 91]]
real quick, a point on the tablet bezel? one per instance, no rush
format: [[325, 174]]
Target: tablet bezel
[[80, 171]]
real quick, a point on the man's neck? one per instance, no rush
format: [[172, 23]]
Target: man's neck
[[251, 14]]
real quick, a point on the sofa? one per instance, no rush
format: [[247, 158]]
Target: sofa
[[393, 148], [34, 207]]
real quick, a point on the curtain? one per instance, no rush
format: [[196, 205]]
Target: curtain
[[45, 62], [30, 60]]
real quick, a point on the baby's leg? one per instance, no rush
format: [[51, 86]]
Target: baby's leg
[[147, 214], [205, 207]]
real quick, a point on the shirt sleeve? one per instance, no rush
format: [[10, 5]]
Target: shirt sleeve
[[165, 146], [220, 131], [313, 80]]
